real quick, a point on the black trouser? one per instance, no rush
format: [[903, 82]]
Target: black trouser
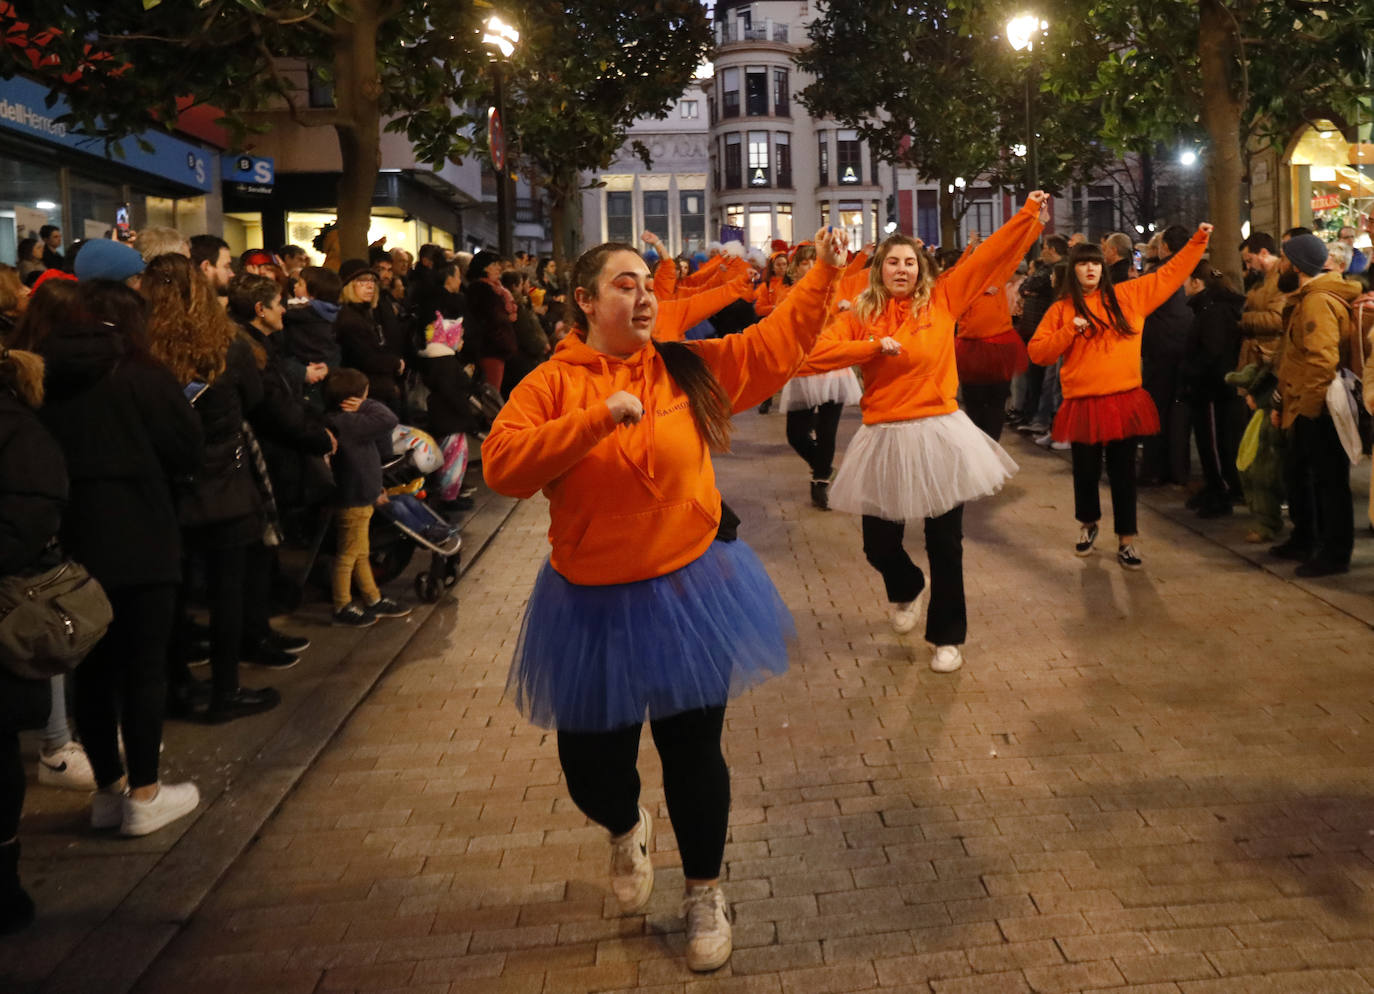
[[123, 684], [1035, 380], [986, 406], [947, 618], [1215, 430], [237, 580], [23, 704], [811, 433], [1317, 475], [599, 768], [1087, 471], [1165, 456]]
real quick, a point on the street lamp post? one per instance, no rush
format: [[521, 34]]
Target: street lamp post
[[1021, 33], [501, 38]]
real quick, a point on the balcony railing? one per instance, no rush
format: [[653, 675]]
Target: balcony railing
[[733, 31]]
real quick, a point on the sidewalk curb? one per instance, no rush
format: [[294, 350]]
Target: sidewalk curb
[[123, 947]]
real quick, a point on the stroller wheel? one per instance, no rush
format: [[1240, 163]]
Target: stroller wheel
[[428, 587], [451, 572]]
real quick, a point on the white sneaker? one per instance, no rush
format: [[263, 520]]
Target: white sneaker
[[66, 767], [709, 938], [947, 659], [172, 801], [1045, 440], [905, 616], [1061, 446], [632, 871], [107, 807]]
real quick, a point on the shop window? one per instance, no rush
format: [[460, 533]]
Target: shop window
[[734, 218], [620, 218], [656, 212], [692, 218], [32, 195], [781, 104], [756, 91], [759, 170], [823, 159], [784, 222], [852, 221], [760, 231], [729, 93], [93, 208], [782, 149], [734, 163], [848, 158]]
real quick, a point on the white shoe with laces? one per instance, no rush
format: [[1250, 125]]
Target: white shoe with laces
[[710, 938], [632, 871], [905, 616], [66, 767], [172, 801], [947, 659]]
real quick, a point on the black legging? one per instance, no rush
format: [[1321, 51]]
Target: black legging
[[986, 406], [1087, 471], [947, 618], [237, 579], [599, 768], [122, 684], [23, 704], [811, 433]]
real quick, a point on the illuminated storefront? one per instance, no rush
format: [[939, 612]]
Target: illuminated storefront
[[1331, 181]]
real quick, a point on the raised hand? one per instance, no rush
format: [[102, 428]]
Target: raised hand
[[1205, 228], [832, 245], [654, 242], [889, 346]]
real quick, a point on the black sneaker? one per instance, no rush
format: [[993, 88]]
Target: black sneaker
[[820, 494], [1291, 550], [1215, 507], [1127, 558], [1320, 567], [269, 658], [1087, 536], [387, 608], [288, 643], [353, 616], [240, 704]]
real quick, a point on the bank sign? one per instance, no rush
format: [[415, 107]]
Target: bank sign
[[249, 175], [24, 110]]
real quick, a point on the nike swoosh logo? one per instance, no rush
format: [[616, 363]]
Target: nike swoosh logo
[[56, 769]]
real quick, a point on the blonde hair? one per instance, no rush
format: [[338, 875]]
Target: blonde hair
[[349, 294], [12, 291], [157, 240], [873, 301], [22, 372]]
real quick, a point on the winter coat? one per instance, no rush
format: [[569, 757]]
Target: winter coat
[[1261, 323], [634, 501], [126, 431], [1315, 336], [488, 327], [308, 334], [450, 391], [364, 348], [1164, 340], [33, 486], [1037, 294], [364, 441], [1214, 339]]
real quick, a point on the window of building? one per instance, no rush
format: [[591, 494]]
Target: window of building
[[319, 94], [823, 159], [734, 218], [852, 220], [756, 91], [692, 218], [979, 215], [784, 222], [760, 231], [825, 212], [848, 158], [872, 167], [928, 216], [656, 212], [781, 104], [1101, 219], [729, 93], [690, 109], [875, 222], [620, 216], [782, 149], [759, 170], [734, 164]]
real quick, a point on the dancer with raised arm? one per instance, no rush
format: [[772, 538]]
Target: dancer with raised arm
[[917, 457], [1096, 327], [647, 604]]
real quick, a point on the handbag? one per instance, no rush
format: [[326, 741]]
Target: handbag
[[1344, 411], [50, 620]]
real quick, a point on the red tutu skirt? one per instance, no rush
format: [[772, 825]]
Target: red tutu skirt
[[1094, 420], [990, 360]]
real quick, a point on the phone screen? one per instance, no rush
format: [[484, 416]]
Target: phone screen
[[194, 389]]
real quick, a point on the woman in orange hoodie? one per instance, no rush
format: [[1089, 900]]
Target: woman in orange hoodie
[[917, 456], [772, 286], [1096, 327], [647, 603]]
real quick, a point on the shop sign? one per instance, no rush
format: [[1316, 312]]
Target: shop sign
[[1326, 202], [24, 110], [248, 175]]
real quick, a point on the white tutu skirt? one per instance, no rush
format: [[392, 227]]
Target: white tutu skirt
[[911, 470], [839, 386]]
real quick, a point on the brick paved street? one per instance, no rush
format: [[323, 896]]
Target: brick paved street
[[1154, 782]]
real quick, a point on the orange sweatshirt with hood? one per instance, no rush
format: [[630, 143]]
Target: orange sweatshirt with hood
[[921, 381], [636, 501], [676, 316], [1109, 362]]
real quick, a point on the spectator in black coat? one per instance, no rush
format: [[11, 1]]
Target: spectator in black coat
[[33, 490], [1163, 344], [361, 339], [489, 329], [1037, 294], [126, 431], [308, 332], [1218, 413]]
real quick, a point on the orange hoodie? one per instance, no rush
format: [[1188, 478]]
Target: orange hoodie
[[988, 316], [676, 316], [631, 502], [1109, 362], [665, 279], [921, 381]]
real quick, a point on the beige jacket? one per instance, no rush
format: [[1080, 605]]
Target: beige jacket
[[1315, 338], [1261, 323]]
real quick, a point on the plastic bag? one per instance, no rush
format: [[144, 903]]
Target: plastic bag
[[1344, 411], [1250, 441]]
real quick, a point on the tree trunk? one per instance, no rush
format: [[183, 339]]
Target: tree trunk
[[949, 221], [1218, 60], [357, 96], [558, 221]]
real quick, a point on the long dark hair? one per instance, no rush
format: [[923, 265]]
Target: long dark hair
[[51, 306], [1087, 252], [709, 402]]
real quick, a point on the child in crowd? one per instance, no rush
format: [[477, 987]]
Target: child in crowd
[[363, 428]]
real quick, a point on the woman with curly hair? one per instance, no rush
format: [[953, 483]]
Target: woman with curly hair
[[221, 510]]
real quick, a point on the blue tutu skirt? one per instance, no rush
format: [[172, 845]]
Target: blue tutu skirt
[[596, 658]]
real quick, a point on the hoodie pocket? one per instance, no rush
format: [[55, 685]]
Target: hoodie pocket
[[641, 542]]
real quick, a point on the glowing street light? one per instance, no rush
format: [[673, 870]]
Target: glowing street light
[[1187, 158], [501, 36], [1022, 29]]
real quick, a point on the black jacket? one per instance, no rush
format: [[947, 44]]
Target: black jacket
[[1166, 331], [364, 441], [1214, 338], [1037, 294], [126, 430], [488, 326], [365, 349], [450, 395], [33, 486], [308, 333], [1121, 270]]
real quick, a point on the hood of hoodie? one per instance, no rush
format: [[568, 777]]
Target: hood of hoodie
[[325, 310], [1333, 283], [78, 357]]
